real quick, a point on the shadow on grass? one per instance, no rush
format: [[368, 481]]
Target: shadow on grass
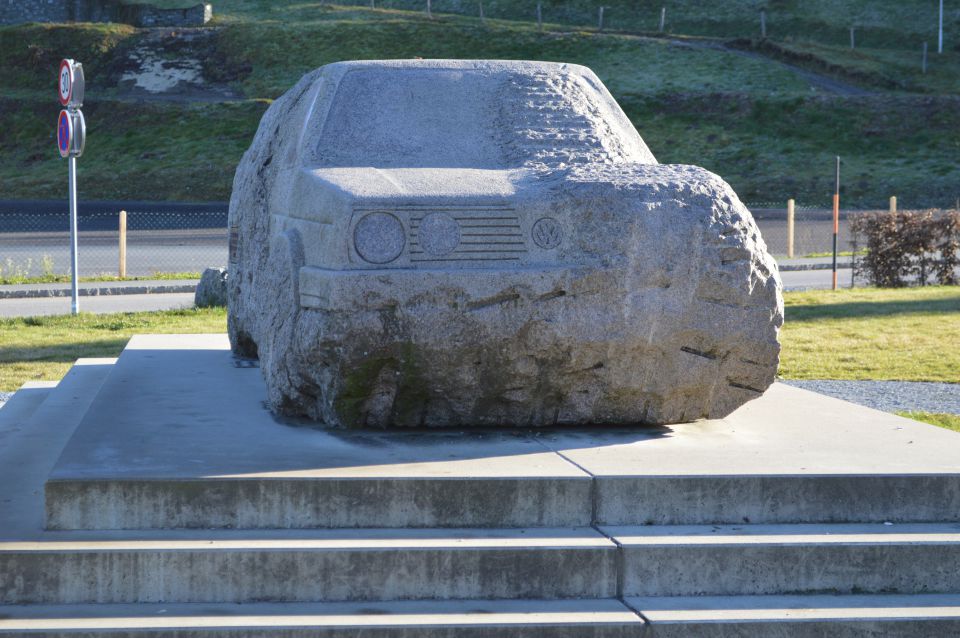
[[63, 352], [857, 309]]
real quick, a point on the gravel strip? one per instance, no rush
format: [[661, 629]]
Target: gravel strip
[[4, 397], [891, 396]]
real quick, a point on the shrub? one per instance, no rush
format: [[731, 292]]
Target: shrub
[[908, 246]]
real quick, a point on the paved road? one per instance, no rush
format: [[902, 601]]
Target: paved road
[[96, 304], [814, 279]]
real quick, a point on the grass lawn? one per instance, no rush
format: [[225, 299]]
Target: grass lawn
[[16, 279], [44, 348], [948, 421], [907, 334]]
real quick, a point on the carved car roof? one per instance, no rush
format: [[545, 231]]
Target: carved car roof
[[466, 114]]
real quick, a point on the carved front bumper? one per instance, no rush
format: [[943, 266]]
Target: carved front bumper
[[475, 289]]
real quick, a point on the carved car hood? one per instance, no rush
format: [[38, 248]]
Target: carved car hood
[[425, 183]]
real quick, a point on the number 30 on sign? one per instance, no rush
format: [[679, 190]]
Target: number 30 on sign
[[71, 84]]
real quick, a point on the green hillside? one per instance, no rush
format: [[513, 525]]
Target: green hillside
[[767, 115]]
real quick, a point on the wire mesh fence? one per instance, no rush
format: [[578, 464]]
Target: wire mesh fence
[[163, 242], [157, 243], [812, 234], [37, 244]]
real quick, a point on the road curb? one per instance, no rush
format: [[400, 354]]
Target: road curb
[[14, 292], [794, 267]]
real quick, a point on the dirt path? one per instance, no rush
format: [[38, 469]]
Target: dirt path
[[820, 81]]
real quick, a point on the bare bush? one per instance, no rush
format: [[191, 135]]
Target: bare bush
[[908, 246]]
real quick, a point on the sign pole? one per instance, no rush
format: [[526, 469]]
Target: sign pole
[[74, 287], [940, 30], [71, 138], [836, 222]]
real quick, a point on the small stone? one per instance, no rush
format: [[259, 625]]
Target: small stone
[[212, 289]]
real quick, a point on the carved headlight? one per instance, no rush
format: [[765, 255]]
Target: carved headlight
[[379, 238], [438, 234]]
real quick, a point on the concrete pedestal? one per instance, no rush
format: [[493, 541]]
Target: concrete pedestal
[[176, 489]]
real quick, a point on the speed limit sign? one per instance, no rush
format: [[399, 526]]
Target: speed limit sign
[[70, 85], [71, 137]]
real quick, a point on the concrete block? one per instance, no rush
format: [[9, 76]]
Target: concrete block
[[408, 619], [772, 499], [28, 453], [166, 455], [789, 559], [853, 616], [352, 565], [303, 503], [792, 456], [20, 407]]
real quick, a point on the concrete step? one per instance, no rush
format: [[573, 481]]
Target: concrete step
[[29, 449], [248, 469], [789, 559], [430, 619], [178, 459], [340, 565], [15, 413], [279, 502], [771, 499], [816, 616]]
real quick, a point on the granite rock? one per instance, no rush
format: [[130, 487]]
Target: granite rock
[[479, 243], [211, 289]]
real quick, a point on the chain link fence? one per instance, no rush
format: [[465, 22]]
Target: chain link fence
[[158, 242], [812, 233], [164, 241]]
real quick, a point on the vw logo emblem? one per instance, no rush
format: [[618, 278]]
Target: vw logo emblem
[[547, 233]]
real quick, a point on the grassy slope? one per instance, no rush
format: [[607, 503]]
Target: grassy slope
[[761, 126], [879, 22]]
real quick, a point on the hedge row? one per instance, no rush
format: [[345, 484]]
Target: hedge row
[[907, 247]]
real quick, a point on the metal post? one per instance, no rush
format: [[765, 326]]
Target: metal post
[[123, 244], [74, 287], [539, 16], [852, 41], [600, 19], [429, 13], [940, 31], [763, 23], [836, 222], [790, 208], [893, 204], [663, 18], [481, 11], [923, 65]]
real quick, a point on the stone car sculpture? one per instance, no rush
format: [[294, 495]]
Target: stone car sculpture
[[489, 243]]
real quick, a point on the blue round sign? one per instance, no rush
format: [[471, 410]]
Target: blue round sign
[[64, 134]]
